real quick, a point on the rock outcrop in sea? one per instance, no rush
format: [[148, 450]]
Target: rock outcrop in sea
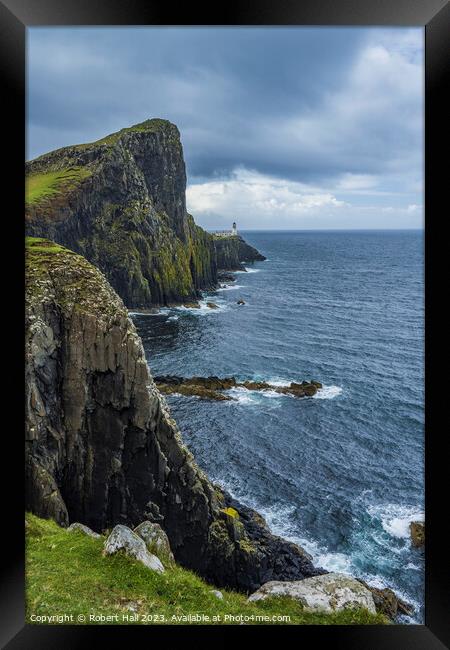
[[215, 388], [121, 203], [233, 251], [101, 446]]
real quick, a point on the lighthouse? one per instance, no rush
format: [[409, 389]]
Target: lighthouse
[[234, 229]]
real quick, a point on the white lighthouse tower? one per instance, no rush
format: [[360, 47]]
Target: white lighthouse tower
[[234, 229]]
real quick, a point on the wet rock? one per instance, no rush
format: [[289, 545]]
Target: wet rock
[[192, 305], [124, 539], [222, 276], [388, 603], [241, 302], [209, 387], [212, 305], [83, 529], [417, 531], [328, 593]]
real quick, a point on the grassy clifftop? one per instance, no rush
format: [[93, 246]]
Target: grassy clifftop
[[47, 186], [120, 202], [67, 573]]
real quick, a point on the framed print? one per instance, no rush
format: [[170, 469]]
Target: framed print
[[232, 339]]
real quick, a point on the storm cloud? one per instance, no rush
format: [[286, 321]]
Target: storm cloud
[[281, 127]]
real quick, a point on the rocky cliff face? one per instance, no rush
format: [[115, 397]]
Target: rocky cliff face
[[101, 446], [232, 251], [120, 202]]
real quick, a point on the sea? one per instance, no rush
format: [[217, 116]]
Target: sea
[[340, 473]]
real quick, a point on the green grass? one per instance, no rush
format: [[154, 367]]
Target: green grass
[[149, 126], [49, 185], [37, 245], [66, 573]]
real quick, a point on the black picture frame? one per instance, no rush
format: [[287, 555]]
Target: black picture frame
[[434, 15]]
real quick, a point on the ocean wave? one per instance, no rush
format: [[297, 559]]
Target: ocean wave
[[280, 519], [203, 310], [159, 312], [248, 271], [244, 396], [395, 518], [328, 392], [231, 287], [248, 396]]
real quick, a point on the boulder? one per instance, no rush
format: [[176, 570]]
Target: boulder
[[241, 302], [217, 594], [212, 305], [417, 530], [330, 592], [124, 539], [156, 541], [388, 603], [82, 529]]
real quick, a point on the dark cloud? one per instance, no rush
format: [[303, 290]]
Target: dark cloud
[[220, 86], [311, 105]]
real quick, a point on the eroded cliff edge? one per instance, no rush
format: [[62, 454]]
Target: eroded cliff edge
[[232, 251], [101, 446], [121, 203]]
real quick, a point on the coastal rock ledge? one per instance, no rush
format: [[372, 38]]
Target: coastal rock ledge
[[101, 446]]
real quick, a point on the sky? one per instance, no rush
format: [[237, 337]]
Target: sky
[[282, 128]]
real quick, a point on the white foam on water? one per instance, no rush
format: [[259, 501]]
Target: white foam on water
[[248, 271], [395, 518], [147, 313], [231, 287], [242, 395], [276, 381], [173, 318], [245, 396], [248, 396], [279, 520], [203, 310], [278, 517], [328, 392]]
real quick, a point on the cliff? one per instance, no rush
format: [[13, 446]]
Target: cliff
[[232, 251], [101, 446], [120, 202]]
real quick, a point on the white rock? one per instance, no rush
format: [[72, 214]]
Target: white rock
[[82, 529], [124, 539], [217, 594], [156, 540], [329, 592]]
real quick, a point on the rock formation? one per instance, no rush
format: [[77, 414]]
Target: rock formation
[[101, 447], [213, 387], [232, 251], [326, 593], [120, 202], [417, 532], [124, 539]]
